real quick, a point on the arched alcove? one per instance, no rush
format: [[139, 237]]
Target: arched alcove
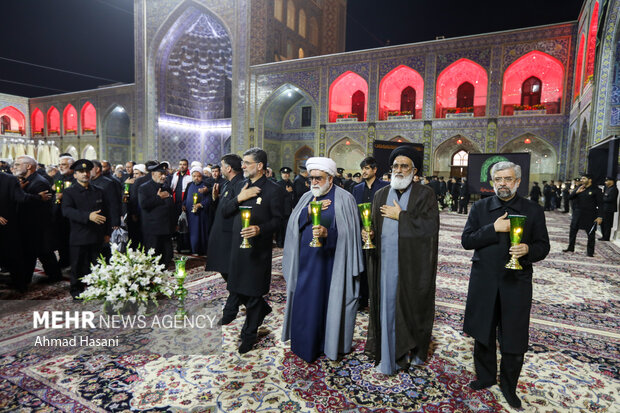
[[444, 154], [14, 121], [391, 91], [533, 65], [73, 151], [591, 52], [301, 156], [69, 120], [579, 68], [194, 67], [89, 118], [290, 15], [453, 77], [313, 28], [89, 152], [347, 154], [53, 121], [302, 23], [543, 158], [117, 135], [37, 122], [341, 94]]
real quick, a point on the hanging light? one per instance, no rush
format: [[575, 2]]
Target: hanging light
[[347, 143], [459, 141], [527, 141]]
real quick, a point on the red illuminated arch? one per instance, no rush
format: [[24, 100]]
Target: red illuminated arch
[[70, 119], [37, 122], [547, 69], [14, 120], [592, 43], [53, 121], [392, 87], [341, 94], [579, 68], [89, 118], [449, 80]]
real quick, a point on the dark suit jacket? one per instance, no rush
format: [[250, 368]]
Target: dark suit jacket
[[77, 204], [250, 269], [36, 217], [587, 206], [358, 190], [112, 198], [158, 215], [610, 199], [489, 279]]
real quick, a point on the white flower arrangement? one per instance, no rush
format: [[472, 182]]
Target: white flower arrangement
[[133, 277]]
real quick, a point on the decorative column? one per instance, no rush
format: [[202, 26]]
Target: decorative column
[[321, 145], [490, 145], [427, 140], [372, 134]]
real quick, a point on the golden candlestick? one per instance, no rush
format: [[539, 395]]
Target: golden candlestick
[[366, 223], [195, 202], [516, 235]]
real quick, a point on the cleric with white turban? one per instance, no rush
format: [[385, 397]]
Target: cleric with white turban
[[322, 283], [196, 205]]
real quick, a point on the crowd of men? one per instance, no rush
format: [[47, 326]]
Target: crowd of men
[[77, 210]]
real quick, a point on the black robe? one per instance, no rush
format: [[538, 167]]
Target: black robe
[[418, 234]]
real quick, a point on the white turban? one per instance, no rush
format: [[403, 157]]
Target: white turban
[[195, 169], [140, 167], [322, 164], [196, 164]]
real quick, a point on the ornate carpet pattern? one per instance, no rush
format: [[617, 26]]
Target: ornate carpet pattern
[[573, 362]]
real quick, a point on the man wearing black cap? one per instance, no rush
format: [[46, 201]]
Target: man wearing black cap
[[300, 184], [84, 206], [158, 213], [289, 198], [610, 206], [402, 269], [338, 179], [587, 213]]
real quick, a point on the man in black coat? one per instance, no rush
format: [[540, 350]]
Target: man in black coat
[[300, 184], [287, 185], [250, 268], [134, 213], [587, 213], [500, 298], [463, 197], [158, 213], [535, 193], [113, 202], [84, 206], [61, 223], [35, 219], [220, 238], [11, 196], [547, 194], [455, 193], [610, 206]]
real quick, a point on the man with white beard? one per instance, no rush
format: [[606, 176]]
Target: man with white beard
[[322, 283], [402, 269]]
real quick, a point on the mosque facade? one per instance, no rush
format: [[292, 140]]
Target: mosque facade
[[213, 77]]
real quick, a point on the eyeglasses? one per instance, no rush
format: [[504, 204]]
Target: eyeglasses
[[401, 166], [247, 163], [507, 179], [316, 178]]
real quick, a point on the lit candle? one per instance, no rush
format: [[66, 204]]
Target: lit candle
[[195, 198]]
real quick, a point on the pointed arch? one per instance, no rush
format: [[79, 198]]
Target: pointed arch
[[301, 156], [591, 52], [302, 23], [546, 68], [579, 68], [341, 93], [14, 120], [445, 151], [89, 152], [89, 118], [543, 156], [53, 121], [69, 120], [449, 80], [37, 122], [290, 15], [116, 134], [347, 154], [391, 89], [73, 151]]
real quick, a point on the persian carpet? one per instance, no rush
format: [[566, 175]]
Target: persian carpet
[[572, 364]]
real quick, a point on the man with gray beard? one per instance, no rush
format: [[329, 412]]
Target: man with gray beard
[[499, 299], [322, 283], [402, 269]]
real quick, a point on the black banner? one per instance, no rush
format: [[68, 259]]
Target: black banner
[[383, 149], [479, 171]]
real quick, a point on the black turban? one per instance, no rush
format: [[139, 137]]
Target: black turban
[[404, 150]]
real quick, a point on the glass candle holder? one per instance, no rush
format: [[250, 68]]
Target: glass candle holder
[[181, 292], [365, 210], [517, 223], [315, 213], [246, 214], [58, 186]]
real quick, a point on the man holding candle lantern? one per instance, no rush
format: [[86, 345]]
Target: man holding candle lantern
[[498, 297], [403, 267], [249, 278], [197, 206], [322, 278]]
